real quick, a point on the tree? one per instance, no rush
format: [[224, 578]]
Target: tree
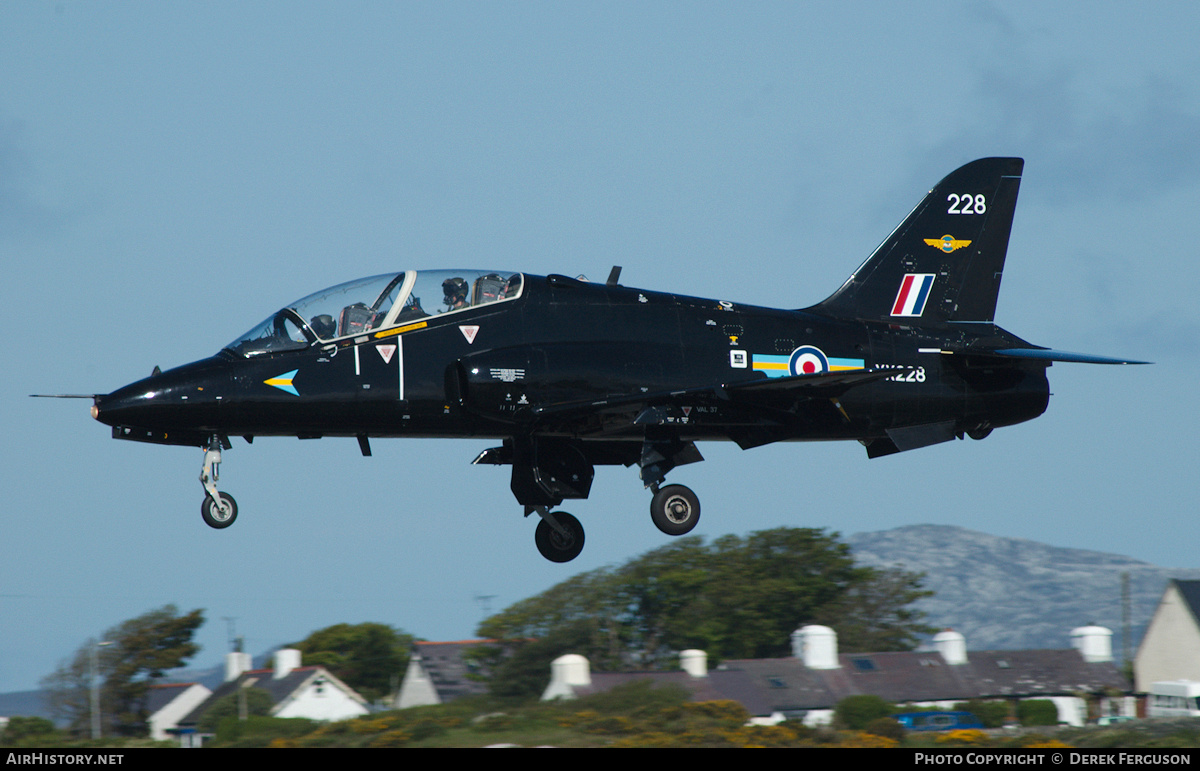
[[767, 585], [735, 598], [369, 657], [993, 714], [127, 658], [525, 674], [876, 614], [857, 712], [1032, 712]]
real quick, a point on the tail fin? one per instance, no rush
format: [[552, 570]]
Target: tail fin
[[944, 262]]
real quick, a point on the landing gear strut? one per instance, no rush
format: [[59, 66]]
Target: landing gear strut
[[219, 509], [674, 509], [559, 536], [549, 469]]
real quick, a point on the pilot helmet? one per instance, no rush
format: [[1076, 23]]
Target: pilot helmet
[[454, 287]]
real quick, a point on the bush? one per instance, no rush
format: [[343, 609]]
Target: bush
[[993, 714], [888, 727], [855, 712], [962, 736], [640, 697], [28, 732], [1037, 712], [260, 731]]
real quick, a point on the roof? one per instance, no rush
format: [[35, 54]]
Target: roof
[[160, 695], [700, 688], [786, 685], [1190, 592], [1042, 672], [452, 675], [279, 689]]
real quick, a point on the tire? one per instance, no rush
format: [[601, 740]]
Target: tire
[[675, 510], [553, 545], [213, 517], [979, 432]]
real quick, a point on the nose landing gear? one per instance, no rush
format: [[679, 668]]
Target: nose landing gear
[[219, 509], [219, 515]]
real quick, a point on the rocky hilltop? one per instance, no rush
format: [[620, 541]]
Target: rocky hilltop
[[1009, 593]]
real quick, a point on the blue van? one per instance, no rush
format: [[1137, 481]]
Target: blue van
[[937, 721]]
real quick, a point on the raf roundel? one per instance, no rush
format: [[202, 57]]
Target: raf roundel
[[808, 360]]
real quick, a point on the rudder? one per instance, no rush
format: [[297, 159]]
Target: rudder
[[945, 260]]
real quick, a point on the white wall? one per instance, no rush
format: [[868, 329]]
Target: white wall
[[1170, 650], [321, 699]]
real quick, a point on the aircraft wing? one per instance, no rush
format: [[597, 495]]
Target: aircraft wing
[[824, 385], [1049, 354]]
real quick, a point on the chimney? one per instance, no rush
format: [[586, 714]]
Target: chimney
[[952, 645], [567, 673], [286, 659], [694, 662], [1094, 642], [816, 646], [235, 664]]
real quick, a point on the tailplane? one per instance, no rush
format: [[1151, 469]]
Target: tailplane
[[944, 262]]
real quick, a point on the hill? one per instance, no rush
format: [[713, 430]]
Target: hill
[[1009, 593]]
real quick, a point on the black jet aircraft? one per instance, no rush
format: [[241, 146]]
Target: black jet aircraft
[[567, 374]]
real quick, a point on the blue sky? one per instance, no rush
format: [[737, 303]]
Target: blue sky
[[171, 173]]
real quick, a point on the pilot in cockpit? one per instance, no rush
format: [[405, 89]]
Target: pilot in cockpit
[[324, 326], [455, 291]]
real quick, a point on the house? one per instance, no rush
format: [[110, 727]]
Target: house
[[439, 672], [570, 677], [168, 704], [295, 691], [1082, 681], [1170, 649]]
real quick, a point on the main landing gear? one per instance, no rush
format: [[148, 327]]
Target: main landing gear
[[674, 509], [559, 536], [546, 470], [219, 509]]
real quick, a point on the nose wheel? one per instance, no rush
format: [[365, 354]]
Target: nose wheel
[[219, 515], [675, 509], [219, 509]]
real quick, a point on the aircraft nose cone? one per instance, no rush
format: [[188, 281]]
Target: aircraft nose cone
[[177, 398], [124, 405]]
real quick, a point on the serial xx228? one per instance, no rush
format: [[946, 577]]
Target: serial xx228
[[568, 374]]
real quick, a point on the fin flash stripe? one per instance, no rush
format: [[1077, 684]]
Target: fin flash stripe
[[914, 291]]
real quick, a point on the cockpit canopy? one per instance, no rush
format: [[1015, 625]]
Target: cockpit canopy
[[374, 303]]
